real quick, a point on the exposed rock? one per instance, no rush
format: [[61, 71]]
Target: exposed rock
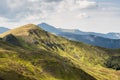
[[0, 38], [11, 39]]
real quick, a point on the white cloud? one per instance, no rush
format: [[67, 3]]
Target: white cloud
[[85, 4], [83, 14], [21, 9], [2, 19]]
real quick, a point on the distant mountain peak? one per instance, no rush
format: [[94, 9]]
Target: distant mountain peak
[[49, 28], [52, 29], [44, 23]]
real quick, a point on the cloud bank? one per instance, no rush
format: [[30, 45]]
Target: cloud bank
[[14, 10], [82, 14]]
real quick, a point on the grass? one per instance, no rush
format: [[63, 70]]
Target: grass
[[43, 56]]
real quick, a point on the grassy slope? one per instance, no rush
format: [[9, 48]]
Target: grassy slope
[[37, 65], [44, 56]]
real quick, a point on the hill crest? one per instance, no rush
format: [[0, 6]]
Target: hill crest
[[22, 30]]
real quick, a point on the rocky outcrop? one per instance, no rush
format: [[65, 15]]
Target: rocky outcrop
[[11, 39]]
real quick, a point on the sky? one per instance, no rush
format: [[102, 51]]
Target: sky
[[87, 15]]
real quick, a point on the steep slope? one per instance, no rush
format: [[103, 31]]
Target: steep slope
[[94, 40], [3, 29], [43, 56], [44, 65]]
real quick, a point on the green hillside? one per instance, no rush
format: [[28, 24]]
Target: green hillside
[[30, 53]]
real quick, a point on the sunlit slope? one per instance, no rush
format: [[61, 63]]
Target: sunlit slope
[[42, 56], [20, 30]]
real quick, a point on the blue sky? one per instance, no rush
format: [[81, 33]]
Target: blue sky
[[87, 15]]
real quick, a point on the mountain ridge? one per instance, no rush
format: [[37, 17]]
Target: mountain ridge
[[44, 56], [110, 35], [21, 30], [93, 40], [98, 39]]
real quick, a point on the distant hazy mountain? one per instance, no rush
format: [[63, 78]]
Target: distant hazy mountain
[[55, 30], [52, 29], [110, 40], [49, 28], [3, 29], [75, 31], [93, 40], [110, 35], [113, 35]]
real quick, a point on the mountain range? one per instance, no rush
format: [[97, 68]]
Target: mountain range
[[31, 53], [52, 29], [110, 40], [55, 30], [93, 40]]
